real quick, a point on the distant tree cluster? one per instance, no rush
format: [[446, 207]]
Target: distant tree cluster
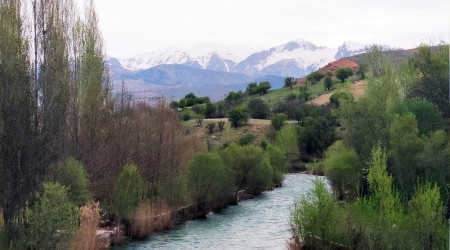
[[261, 88]]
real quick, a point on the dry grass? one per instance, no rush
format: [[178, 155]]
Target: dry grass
[[149, 218], [89, 220]]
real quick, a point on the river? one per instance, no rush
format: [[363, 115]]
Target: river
[[259, 223]]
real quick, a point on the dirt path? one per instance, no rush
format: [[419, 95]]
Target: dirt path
[[357, 89]]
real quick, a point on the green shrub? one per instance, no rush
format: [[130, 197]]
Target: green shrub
[[72, 175], [237, 117], [127, 191], [209, 180], [246, 139], [344, 170], [221, 125], [52, 219], [279, 120], [211, 127]]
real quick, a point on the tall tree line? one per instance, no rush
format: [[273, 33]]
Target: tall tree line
[[53, 92]]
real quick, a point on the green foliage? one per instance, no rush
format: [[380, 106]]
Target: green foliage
[[429, 117], [174, 190], [211, 127], [127, 191], [199, 109], [199, 119], [252, 88], [250, 171], [317, 220], [263, 87], [210, 111], [362, 70], [190, 100], [425, 213], [209, 180], [234, 97], [258, 109], [221, 125], [344, 73], [328, 83], [237, 117], [431, 64], [246, 139], [405, 148], [52, 218], [186, 114], [315, 134], [278, 120], [344, 170], [286, 140], [278, 162], [315, 77], [72, 175], [341, 96], [305, 93], [289, 82]]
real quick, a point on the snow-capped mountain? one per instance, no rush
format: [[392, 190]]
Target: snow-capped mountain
[[174, 70], [295, 58], [202, 56]]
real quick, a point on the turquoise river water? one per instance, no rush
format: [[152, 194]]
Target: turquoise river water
[[259, 223]]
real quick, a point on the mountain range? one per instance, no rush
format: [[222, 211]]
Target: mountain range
[[214, 70]]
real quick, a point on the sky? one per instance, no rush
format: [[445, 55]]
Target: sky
[[132, 27]]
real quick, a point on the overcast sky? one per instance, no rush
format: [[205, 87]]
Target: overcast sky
[[136, 26]]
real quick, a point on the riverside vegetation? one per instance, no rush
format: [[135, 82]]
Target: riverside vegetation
[[389, 172]]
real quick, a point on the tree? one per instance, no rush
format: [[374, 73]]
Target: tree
[[72, 175], [315, 77], [315, 134], [278, 120], [344, 170], [344, 73], [328, 83], [305, 93], [210, 111], [252, 88], [237, 117], [278, 161], [431, 64], [263, 87], [429, 117], [289, 82], [362, 70], [52, 218], [258, 109], [127, 191], [287, 141], [209, 180]]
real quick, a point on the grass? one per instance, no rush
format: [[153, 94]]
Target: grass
[[89, 220], [149, 218]]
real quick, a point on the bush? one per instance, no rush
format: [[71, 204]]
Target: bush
[[278, 162], [209, 181], [211, 127], [317, 220], [344, 170], [237, 117], [246, 139], [127, 191], [221, 124], [341, 96], [52, 218], [72, 175], [287, 141], [258, 109], [279, 120]]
